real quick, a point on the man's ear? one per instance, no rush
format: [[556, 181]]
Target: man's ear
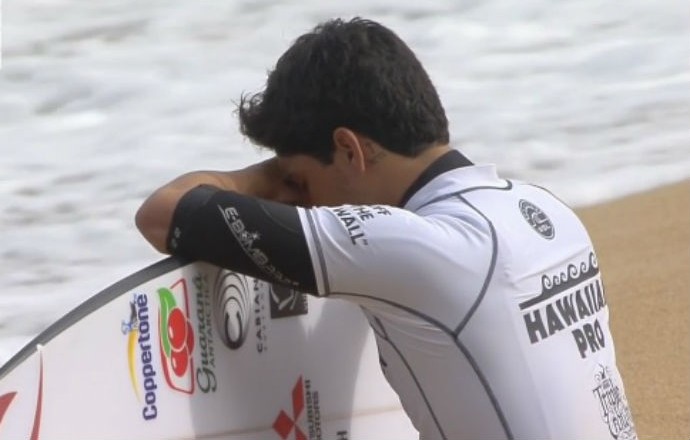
[[351, 149]]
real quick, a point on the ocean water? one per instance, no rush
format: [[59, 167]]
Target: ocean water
[[102, 102]]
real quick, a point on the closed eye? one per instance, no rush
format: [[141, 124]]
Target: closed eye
[[291, 183], [300, 188]]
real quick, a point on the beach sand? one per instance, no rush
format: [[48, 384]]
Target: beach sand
[[643, 247]]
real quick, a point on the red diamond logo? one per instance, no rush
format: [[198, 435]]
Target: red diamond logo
[[284, 424]]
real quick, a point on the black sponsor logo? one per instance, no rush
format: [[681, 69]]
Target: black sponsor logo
[[537, 219], [206, 368], [260, 316], [232, 307], [569, 300], [561, 281], [286, 302], [613, 406], [352, 218], [249, 241]]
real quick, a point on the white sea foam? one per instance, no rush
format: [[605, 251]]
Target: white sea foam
[[100, 102]]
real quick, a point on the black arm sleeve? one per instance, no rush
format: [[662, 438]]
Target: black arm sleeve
[[256, 237]]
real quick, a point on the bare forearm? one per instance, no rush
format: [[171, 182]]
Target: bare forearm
[[155, 214]]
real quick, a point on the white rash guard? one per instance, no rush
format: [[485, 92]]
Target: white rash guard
[[487, 304]]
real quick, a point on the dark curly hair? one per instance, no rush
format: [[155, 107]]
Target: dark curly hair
[[356, 74]]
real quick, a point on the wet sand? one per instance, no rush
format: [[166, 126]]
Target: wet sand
[[643, 247]]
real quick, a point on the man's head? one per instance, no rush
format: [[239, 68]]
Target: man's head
[[347, 88]]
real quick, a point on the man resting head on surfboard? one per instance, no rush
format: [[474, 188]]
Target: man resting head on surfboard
[[484, 294]]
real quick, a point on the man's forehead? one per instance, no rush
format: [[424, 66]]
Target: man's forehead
[[286, 164]]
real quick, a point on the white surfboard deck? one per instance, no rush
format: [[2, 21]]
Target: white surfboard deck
[[284, 366]]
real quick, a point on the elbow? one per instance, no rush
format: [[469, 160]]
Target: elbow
[[153, 226]]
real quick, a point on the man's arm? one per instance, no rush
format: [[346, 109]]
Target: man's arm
[[234, 220], [263, 180]]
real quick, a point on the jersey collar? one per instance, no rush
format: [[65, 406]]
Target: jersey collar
[[449, 161], [449, 175]]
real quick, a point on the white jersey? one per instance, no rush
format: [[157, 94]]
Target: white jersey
[[487, 304]]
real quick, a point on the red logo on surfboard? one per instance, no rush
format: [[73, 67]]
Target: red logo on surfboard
[[7, 398], [284, 423], [176, 337], [5, 401], [303, 397]]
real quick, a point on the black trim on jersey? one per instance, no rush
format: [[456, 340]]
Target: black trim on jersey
[[487, 387], [508, 187], [449, 161], [256, 237], [551, 194], [384, 336], [489, 273], [381, 331], [452, 332], [319, 250], [462, 348]]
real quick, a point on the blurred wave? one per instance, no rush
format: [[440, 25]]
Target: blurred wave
[[101, 102]]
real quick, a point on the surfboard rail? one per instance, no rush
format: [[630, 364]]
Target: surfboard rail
[[186, 349], [93, 303]]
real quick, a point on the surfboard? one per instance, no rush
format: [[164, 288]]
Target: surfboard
[[186, 350]]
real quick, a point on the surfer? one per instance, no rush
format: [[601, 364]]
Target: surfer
[[484, 293]]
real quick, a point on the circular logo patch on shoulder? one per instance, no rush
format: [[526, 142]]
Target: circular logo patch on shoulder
[[536, 218]]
